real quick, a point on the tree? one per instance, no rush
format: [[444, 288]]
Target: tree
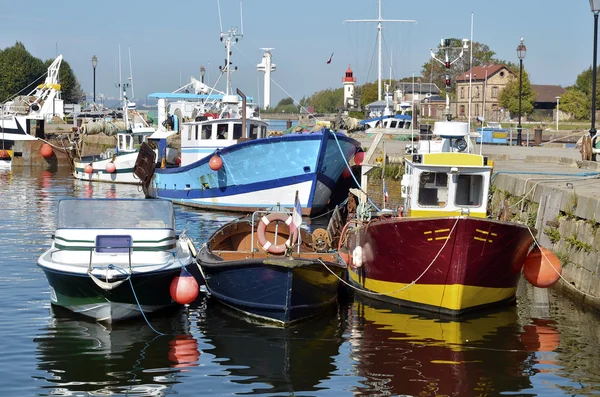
[[327, 101], [285, 101], [575, 102], [509, 96], [70, 87], [20, 72], [436, 72]]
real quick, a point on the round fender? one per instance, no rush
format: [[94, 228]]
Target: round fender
[[262, 228]]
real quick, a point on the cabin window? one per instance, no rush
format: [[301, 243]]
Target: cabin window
[[206, 131], [393, 124], [222, 131], [196, 131], [189, 137], [253, 133], [263, 131], [433, 189], [237, 131], [469, 190]]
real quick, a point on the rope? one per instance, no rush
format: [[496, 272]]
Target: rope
[[365, 291]]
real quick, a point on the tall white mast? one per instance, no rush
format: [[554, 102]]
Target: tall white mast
[[380, 21], [120, 79], [131, 76]]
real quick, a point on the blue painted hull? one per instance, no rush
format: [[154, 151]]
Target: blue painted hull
[[272, 291], [259, 174]]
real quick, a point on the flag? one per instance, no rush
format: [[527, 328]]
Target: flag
[[296, 220], [385, 194], [330, 58]]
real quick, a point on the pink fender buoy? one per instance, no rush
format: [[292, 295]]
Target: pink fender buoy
[[542, 268], [46, 151], [359, 158], [215, 163], [184, 288], [88, 169], [111, 167], [346, 173]]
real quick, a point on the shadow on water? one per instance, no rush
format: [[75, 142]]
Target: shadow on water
[[273, 359], [81, 356]]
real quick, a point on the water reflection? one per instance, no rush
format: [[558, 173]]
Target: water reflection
[[406, 354], [274, 359], [129, 358]]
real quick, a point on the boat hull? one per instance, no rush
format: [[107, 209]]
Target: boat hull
[[281, 291], [446, 265], [78, 293], [123, 173], [260, 174]]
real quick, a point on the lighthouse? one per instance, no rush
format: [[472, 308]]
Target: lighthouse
[[349, 80], [267, 66]]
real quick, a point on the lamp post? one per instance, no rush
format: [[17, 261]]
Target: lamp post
[[595, 8], [202, 73], [521, 51], [94, 64], [557, 103]]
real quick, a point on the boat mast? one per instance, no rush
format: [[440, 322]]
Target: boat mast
[[380, 21], [445, 45]]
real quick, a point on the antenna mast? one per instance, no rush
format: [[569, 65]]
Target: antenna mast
[[131, 76], [445, 45], [380, 21]]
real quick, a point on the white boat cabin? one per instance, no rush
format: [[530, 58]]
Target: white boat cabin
[[446, 179], [201, 138]]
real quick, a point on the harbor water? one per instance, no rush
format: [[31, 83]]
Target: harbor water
[[544, 345]]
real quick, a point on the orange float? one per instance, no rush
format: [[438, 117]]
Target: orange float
[[359, 158], [88, 169], [184, 288], [4, 154], [46, 151], [111, 167], [215, 163], [542, 268]]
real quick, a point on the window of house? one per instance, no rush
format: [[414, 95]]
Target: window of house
[[462, 92], [469, 190], [494, 92], [462, 109], [433, 189]]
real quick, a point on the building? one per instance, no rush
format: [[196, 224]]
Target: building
[[350, 101], [485, 83]]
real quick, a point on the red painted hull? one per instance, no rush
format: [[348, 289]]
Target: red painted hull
[[449, 265]]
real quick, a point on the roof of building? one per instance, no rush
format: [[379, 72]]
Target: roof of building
[[479, 72], [547, 93], [423, 88]]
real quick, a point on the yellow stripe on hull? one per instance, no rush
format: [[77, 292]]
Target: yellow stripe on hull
[[435, 213], [455, 297]]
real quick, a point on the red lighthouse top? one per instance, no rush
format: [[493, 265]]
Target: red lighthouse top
[[349, 78]]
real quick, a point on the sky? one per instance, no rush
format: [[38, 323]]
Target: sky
[[169, 41]]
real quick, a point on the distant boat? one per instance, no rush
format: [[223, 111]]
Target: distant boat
[[115, 259]]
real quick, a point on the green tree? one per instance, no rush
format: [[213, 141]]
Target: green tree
[[509, 96], [327, 101], [20, 72], [575, 102], [70, 87], [368, 93]]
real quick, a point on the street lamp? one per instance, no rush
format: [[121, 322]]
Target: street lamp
[[595, 8], [557, 103], [202, 73], [521, 51], [94, 64]]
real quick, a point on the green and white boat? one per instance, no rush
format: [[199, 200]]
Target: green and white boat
[[115, 259]]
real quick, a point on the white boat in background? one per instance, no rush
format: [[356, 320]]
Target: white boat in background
[[23, 118]]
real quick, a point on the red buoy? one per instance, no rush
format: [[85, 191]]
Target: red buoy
[[178, 160], [215, 163], [111, 167], [542, 268], [88, 169], [359, 158], [46, 151], [346, 173], [184, 288]]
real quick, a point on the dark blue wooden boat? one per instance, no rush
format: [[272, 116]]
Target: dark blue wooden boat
[[282, 288]]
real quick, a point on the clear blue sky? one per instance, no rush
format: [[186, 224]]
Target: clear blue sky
[[169, 40]]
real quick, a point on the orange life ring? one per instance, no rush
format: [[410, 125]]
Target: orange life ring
[[262, 228]]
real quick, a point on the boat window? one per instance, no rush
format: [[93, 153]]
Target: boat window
[[237, 131], [206, 131], [469, 190], [137, 140], [222, 131], [263, 131], [433, 189], [196, 130], [189, 137], [393, 124], [253, 133]]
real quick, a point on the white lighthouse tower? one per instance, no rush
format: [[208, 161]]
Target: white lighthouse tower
[[349, 80], [267, 66]]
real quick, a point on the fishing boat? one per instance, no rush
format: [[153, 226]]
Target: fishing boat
[[269, 268], [115, 259], [439, 252], [116, 164], [230, 163], [23, 117]]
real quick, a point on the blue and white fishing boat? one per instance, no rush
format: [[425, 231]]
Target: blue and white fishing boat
[[230, 163]]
